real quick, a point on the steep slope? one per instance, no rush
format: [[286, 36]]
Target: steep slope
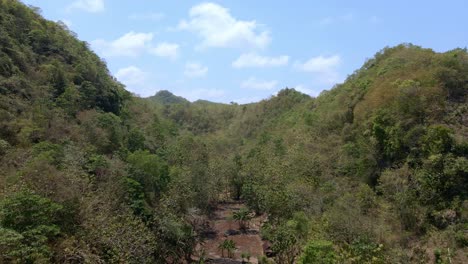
[[44, 69], [84, 167]]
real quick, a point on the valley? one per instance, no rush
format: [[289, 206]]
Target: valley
[[372, 170]]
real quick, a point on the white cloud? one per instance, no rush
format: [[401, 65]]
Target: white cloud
[[324, 67], [336, 19], [193, 70], [131, 44], [131, 75], [168, 50], [135, 80], [319, 64], [91, 6], [255, 60], [207, 94], [218, 28], [301, 88], [151, 16], [254, 83]]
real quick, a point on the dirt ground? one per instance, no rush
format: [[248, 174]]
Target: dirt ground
[[224, 227]]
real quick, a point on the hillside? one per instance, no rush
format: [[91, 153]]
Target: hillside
[[375, 170], [165, 97]]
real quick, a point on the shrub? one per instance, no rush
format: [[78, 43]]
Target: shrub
[[318, 251], [28, 223]]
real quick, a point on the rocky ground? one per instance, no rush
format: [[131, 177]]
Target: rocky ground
[[222, 227]]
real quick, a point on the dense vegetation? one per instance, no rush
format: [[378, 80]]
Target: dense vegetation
[[373, 171]]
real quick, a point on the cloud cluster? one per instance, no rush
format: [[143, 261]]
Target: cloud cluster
[[91, 6], [216, 27], [165, 49], [131, 44], [325, 68], [134, 44], [195, 94], [195, 70], [255, 60], [254, 83], [135, 80]]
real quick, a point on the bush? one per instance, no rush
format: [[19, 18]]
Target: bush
[[363, 251], [28, 223], [4, 147], [318, 251], [135, 140], [438, 140]]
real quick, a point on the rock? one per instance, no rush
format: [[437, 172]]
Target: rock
[[231, 232]]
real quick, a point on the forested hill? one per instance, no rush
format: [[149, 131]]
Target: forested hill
[[374, 170], [166, 97]]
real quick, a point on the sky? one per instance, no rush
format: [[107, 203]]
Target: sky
[[245, 51]]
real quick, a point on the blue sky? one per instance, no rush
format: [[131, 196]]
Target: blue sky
[[245, 51]]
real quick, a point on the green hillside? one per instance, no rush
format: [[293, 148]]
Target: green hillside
[[166, 97], [375, 170]]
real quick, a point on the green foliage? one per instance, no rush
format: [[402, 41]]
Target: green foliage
[[150, 171], [242, 217], [366, 198], [438, 140], [97, 164], [451, 74], [4, 146], [136, 198], [148, 179], [177, 238], [363, 251], [121, 238], [346, 220], [28, 223], [229, 246], [136, 140], [442, 178], [318, 251], [69, 100], [112, 125], [53, 153], [165, 97], [286, 238]]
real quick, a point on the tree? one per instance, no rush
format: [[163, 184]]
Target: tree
[[363, 251], [242, 217], [228, 245], [236, 178], [438, 140], [150, 171], [318, 251], [284, 242], [28, 223], [136, 140]]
